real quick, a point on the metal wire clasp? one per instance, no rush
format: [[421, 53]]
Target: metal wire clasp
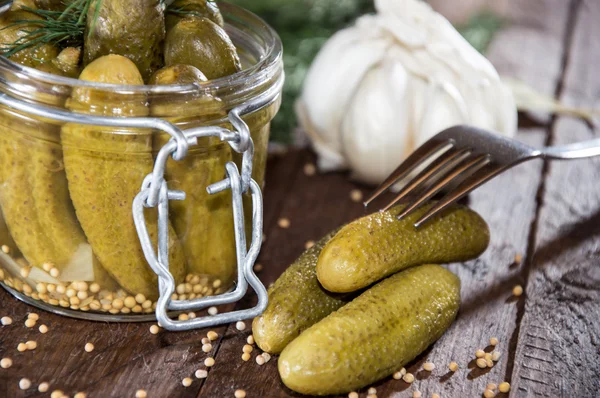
[[155, 193]]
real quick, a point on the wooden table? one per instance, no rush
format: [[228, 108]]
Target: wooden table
[[547, 212]]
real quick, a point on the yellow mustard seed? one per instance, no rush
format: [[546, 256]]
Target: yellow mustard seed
[[43, 387], [57, 394], [518, 258], [245, 357], [517, 290], [494, 341], [309, 244], [489, 363], [491, 386], [488, 356], [47, 266], [310, 169], [129, 302], [504, 387], [89, 347], [408, 378], [239, 394], [117, 304], [353, 394], [54, 272], [481, 363], [258, 268], [435, 395], [25, 272], [496, 356], [240, 325], [183, 317], [266, 356], [217, 284], [5, 249], [31, 345], [417, 394], [154, 329], [24, 383], [140, 298], [213, 311], [30, 323], [205, 340], [250, 339], [429, 366], [371, 395], [6, 320], [141, 394], [284, 223], [5, 363], [94, 287], [208, 362], [247, 348], [207, 348], [356, 195], [479, 353], [187, 381], [21, 347], [82, 295], [453, 366], [41, 287], [489, 394], [397, 375], [260, 360], [201, 374], [80, 395]]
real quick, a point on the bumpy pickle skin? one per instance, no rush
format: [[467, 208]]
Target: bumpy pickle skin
[[132, 28], [296, 302], [105, 168], [374, 335], [203, 222], [181, 9], [32, 56], [379, 245], [203, 44]]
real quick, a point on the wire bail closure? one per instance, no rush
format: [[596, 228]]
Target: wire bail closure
[[154, 192]]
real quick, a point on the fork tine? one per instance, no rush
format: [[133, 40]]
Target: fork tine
[[422, 153], [439, 167], [471, 166], [479, 178]]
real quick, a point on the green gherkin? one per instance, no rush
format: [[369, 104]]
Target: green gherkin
[[9, 35], [105, 168], [379, 245], [203, 222], [374, 335], [180, 9], [296, 302], [131, 28], [65, 64], [202, 43]]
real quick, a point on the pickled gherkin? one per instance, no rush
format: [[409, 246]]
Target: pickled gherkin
[[203, 222], [65, 64], [180, 9], [132, 28], [105, 168], [202, 43]]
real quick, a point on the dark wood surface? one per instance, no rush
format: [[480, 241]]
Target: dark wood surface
[[547, 212]]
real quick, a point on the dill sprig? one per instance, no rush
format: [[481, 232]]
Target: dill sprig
[[183, 11], [61, 28]]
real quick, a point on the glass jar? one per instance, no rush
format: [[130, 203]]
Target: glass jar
[[69, 242]]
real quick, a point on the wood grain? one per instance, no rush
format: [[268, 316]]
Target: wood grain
[[559, 339]]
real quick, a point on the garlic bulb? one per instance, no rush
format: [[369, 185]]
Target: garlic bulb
[[379, 89]]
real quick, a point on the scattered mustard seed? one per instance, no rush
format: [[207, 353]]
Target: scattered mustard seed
[[6, 320], [408, 378], [494, 341], [356, 195], [453, 366], [141, 394], [213, 311], [80, 395], [489, 394], [479, 353], [504, 387], [24, 383], [417, 394], [43, 387], [240, 325], [496, 356], [491, 386], [372, 390], [309, 244], [205, 340], [518, 258], [429, 366], [54, 272], [353, 394], [201, 374], [183, 317], [481, 363], [489, 363], [21, 347], [89, 347], [250, 339], [517, 290], [33, 315], [208, 362], [310, 169], [283, 223], [207, 348], [31, 345], [187, 381], [154, 329], [245, 357], [5, 363], [397, 376], [258, 267], [30, 323], [266, 356], [212, 335], [43, 329], [57, 394], [239, 394], [260, 360], [5, 249]]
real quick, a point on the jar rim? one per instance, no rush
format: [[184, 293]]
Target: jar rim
[[266, 66]]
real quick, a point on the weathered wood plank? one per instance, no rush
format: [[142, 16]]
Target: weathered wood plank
[[558, 352]]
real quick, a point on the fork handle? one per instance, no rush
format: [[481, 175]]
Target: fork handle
[[578, 150]]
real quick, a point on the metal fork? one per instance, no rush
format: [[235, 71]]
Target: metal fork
[[461, 159]]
